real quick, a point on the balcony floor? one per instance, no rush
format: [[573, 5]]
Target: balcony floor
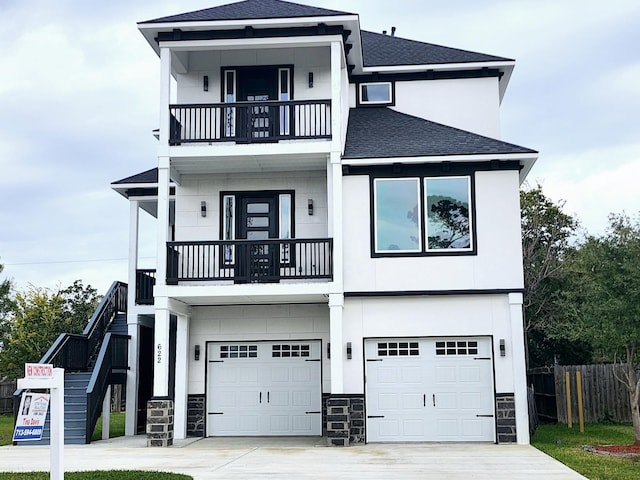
[[246, 294]]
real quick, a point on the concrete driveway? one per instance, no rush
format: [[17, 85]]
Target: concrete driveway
[[300, 458]]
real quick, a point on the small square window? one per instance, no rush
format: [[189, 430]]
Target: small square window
[[378, 93]]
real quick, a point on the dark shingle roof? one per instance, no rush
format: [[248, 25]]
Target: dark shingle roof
[[150, 176], [250, 9], [386, 50], [384, 133]]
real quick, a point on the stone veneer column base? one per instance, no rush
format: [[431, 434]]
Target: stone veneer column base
[[345, 420], [159, 423], [506, 418]]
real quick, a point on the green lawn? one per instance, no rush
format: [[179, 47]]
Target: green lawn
[[565, 445], [6, 429], [99, 475], [116, 427]]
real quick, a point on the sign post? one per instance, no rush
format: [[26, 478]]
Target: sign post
[[45, 376]]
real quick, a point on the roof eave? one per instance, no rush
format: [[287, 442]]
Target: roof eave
[[151, 30], [526, 160]]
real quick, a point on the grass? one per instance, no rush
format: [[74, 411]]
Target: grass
[[97, 475], [565, 445], [116, 427], [6, 429]]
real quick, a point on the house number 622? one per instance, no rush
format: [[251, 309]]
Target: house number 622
[[159, 353]]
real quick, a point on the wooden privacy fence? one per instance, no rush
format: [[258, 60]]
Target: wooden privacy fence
[[603, 396], [6, 396]]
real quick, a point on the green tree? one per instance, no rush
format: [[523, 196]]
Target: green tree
[[547, 243], [38, 316], [602, 303], [6, 306]]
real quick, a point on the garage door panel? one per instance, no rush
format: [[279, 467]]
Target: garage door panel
[[434, 391], [267, 391], [302, 399]]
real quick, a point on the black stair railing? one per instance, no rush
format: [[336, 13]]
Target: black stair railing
[[75, 352], [111, 366]]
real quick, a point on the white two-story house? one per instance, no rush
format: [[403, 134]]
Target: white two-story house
[[338, 236]]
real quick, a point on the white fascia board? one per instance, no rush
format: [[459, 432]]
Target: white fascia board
[[438, 66], [526, 160], [150, 30], [251, 150], [241, 43], [245, 294]]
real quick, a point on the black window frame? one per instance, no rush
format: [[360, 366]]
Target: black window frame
[[421, 175]]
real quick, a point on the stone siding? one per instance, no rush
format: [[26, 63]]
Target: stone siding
[[195, 416], [506, 418], [159, 423]]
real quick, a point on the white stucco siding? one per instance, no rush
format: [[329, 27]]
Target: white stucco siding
[[427, 316], [304, 60], [254, 323], [496, 265], [471, 104], [190, 225]]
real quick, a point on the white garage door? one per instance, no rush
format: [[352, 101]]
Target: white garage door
[[267, 388], [429, 389]]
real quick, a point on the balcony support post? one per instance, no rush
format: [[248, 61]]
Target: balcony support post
[[183, 356], [131, 417], [336, 306]]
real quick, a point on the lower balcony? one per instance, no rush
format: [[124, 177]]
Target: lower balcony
[[250, 261]]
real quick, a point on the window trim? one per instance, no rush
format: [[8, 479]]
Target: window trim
[[424, 251], [370, 103]]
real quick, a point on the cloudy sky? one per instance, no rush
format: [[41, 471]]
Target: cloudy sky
[[79, 95]]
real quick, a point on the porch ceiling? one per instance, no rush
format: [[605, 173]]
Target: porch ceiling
[[229, 164], [256, 293]]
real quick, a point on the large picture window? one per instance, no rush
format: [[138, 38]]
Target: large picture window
[[422, 215], [397, 215]]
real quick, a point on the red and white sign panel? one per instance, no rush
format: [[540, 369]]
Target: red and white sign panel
[[38, 370]]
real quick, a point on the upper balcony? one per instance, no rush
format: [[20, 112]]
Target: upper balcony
[[250, 122]]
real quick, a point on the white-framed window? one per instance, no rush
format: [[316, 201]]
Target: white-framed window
[[422, 215], [376, 93], [284, 95]]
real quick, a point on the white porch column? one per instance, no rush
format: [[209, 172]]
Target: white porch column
[[131, 415], [519, 368], [183, 355], [161, 352], [106, 414], [336, 306]]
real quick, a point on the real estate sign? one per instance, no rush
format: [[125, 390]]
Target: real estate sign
[[31, 416]]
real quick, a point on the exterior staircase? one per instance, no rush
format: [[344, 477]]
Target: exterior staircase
[[85, 383]]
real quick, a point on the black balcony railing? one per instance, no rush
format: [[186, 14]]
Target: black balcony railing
[[145, 281], [249, 122], [250, 261]]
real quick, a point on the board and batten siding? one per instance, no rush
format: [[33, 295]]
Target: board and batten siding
[[252, 323]]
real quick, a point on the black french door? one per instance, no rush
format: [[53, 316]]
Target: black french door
[[257, 221], [258, 84]]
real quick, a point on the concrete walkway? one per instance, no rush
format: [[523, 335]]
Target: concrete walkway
[[300, 458]]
